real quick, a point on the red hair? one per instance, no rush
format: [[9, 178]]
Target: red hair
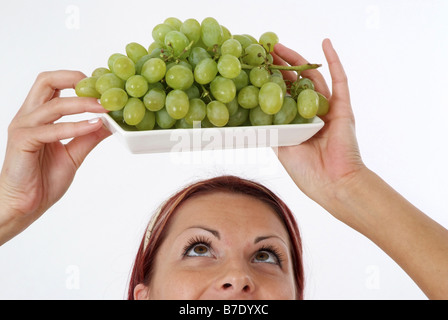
[[152, 240]]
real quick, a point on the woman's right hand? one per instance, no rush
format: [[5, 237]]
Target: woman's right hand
[[38, 168]]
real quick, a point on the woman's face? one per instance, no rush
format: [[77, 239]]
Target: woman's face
[[223, 246]]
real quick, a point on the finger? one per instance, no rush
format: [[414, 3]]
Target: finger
[[338, 76], [59, 107], [287, 75], [80, 147], [38, 136], [48, 84], [295, 59], [56, 94]]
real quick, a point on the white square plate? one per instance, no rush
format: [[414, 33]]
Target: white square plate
[[179, 140]]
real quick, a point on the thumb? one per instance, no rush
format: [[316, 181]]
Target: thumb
[[81, 146]]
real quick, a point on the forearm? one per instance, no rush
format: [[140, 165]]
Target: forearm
[[9, 227], [12, 221], [412, 239]]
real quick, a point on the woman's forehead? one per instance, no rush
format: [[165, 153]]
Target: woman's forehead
[[226, 210]]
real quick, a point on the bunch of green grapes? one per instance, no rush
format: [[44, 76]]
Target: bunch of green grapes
[[200, 74]]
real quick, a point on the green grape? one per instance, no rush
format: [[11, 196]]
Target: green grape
[[238, 118], [179, 77], [135, 51], [251, 38], [157, 53], [124, 67], [107, 81], [98, 72], [153, 46], [159, 32], [200, 44], [117, 115], [300, 85], [154, 70], [268, 40], [276, 73], [255, 55], [196, 55], [141, 62], [136, 86], [232, 106], [232, 47], [192, 29], [223, 89], [270, 98], [241, 81], [226, 34], [133, 111], [114, 99], [259, 76], [158, 85], [259, 118], [193, 92], [207, 124], [229, 66], [280, 82], [173, 22], [182, 124], [308, 103], [287, 113], [305, 83], [300, 120], [324, 105], [86, 88], [217, 113], [243, 40], [177, 41], [164, 120], [269, 58], [127, 127], [196, 112], [248, 97], [211, 32], [177, 104], [154, 100], [148, 122], [179, 62], [112, 59], [205, 71]]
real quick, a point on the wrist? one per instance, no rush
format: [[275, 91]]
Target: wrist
[[344, 198]]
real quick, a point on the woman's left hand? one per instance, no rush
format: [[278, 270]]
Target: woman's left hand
[[320, 164]]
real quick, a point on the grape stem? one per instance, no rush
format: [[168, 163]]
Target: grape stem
[[205, 93], [299, 69]]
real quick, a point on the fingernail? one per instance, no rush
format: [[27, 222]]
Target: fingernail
[[99, 101], [94, 120]]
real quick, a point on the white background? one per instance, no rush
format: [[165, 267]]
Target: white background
[[395, 55]]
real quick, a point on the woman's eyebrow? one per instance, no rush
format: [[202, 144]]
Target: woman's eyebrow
[[258, 239], [218, 235], [213, 232]]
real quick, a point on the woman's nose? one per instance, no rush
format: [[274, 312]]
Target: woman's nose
[[236, 282]]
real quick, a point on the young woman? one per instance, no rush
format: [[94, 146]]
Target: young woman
[[221, 238], [254, 251]]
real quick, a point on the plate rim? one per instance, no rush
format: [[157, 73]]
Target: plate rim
[[317, 122]]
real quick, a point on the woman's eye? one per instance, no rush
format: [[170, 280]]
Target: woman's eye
[[199, 250], [266, 256]]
